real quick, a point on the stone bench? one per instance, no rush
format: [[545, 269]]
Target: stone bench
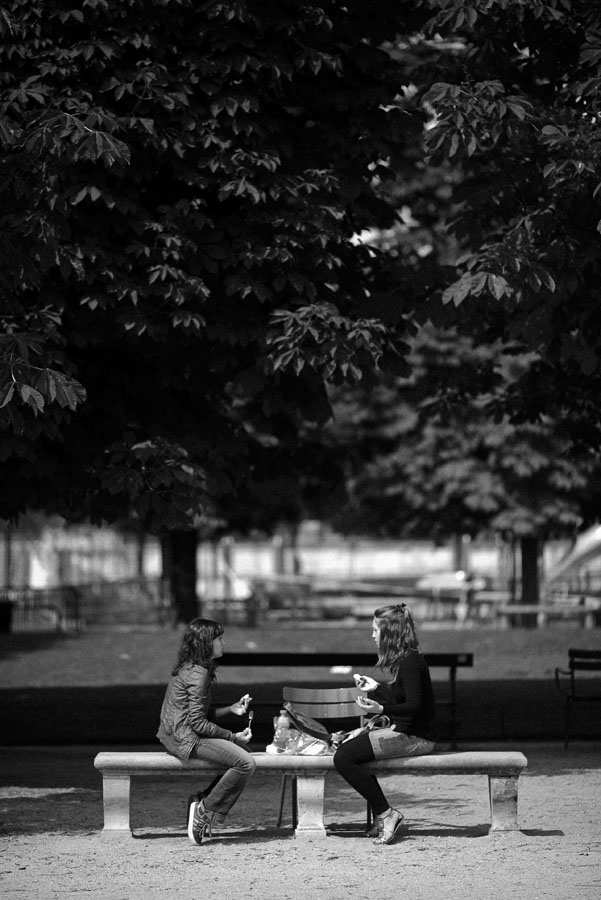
[[502, 768]]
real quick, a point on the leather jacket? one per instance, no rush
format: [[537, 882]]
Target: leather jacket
[[184, 714]]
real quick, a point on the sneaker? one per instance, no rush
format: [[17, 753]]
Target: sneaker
[[193, 798], [199, 823], [388, 826]]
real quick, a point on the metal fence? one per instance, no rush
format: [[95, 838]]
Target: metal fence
[[70, 608], [41, 609]]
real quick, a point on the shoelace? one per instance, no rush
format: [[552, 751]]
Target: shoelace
[[204, 825]]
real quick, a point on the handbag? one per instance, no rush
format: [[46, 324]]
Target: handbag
[[376, 722], [318, 732]]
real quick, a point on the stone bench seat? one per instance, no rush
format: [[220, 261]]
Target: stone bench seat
[[502, 768]]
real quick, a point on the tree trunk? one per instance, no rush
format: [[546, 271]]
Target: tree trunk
[[8, 558], [140, 554], [180, 570], [514, 570], [530, 578], [286, 557], [530, 548], [295, 561], [461, 552]]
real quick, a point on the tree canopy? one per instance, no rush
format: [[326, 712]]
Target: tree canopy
[[512, 170], [180, 185], [417, 466], [497, 239], [213, 212], [423, 456]]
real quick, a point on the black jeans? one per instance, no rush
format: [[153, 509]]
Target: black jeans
[[348, 761]]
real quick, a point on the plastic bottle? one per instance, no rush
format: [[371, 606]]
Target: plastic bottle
[[281, 724]]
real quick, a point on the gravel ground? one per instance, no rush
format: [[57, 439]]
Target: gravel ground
[[52, 846]]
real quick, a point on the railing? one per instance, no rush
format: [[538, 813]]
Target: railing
[[69, 607], [305, 598], [583, 609], [127, 601], [42, 609]]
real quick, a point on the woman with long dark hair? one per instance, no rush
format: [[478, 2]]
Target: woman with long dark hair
[[187, 732], [407, 701]]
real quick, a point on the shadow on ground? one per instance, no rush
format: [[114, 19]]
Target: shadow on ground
[[129, 714]]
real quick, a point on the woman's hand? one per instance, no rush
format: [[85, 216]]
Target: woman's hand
[[365, 683], [369, 706], [243, 737], [239, 708]]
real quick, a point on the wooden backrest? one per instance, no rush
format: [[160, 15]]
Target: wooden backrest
[[324, 703], [585, 660]]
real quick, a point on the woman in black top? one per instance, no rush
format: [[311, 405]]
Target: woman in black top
[[408, 701]]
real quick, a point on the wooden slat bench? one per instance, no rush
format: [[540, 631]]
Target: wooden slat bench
[[502, 768]]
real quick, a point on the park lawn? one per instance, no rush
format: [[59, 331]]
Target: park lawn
[[146, 654]]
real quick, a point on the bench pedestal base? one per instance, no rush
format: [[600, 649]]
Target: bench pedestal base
[[503, 794], [116, 799], [309, 805]]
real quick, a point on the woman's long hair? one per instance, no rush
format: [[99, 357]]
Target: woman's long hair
[[197, 645], [398, 636]]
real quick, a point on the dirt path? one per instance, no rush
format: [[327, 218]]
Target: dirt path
[[51, 816]]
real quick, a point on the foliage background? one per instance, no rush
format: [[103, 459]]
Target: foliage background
[[215, 215]]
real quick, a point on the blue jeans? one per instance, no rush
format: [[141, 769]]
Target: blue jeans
[[226, 788]]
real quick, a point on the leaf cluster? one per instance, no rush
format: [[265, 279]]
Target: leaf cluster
[[516, 114], [436, 454], [180, 185]]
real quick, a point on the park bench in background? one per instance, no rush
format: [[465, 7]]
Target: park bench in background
[[502, 768], [577, 684], [582, 609], [347, 663]]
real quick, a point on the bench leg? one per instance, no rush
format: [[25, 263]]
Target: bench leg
[[284, 782], [567, 722], [115, 796], [503, 803], [309, 804]]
